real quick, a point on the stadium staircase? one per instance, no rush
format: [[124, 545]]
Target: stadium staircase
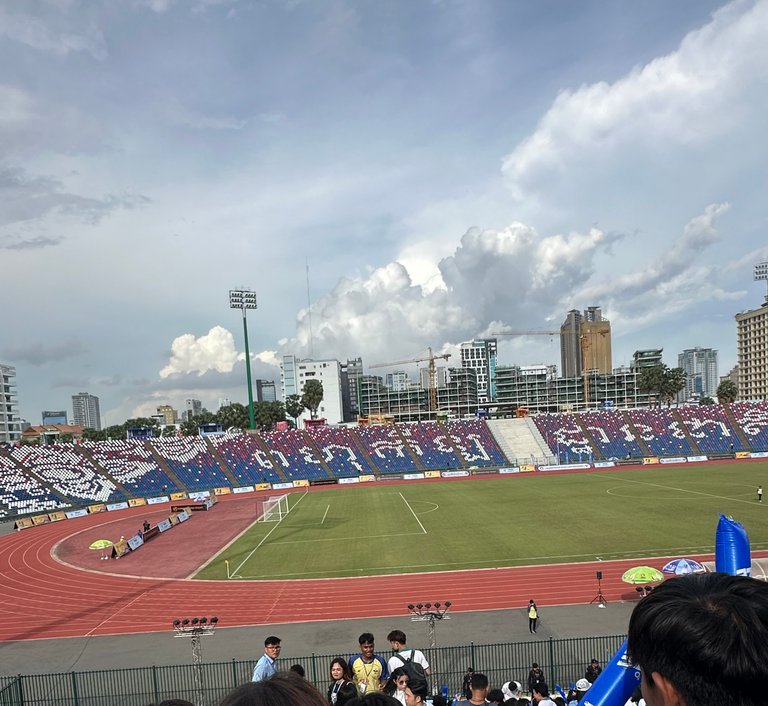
[[316, 450], [163, 464], [520, 440], [225, 469], [407, 446], [64, 499], [640, 441], [360, 448], [737, 427], [684, 429], [259, 439], [596, 452], [91, 459]]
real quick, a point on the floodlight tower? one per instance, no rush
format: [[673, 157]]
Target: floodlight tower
[[245, 299], [426, 612], [761, 273], [194, 630]]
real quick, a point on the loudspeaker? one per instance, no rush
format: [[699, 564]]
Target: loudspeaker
[[599, 575]]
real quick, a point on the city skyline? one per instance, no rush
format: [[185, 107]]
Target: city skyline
[[387, 177]]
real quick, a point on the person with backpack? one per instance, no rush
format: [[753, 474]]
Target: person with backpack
[[405, 655]]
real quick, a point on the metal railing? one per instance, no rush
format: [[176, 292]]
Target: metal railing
[[563, 661]]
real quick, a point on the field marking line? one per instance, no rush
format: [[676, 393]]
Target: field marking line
[[423, 529], [685, 490], [337, 539], [116, 613], [266, 536], [325, 514]]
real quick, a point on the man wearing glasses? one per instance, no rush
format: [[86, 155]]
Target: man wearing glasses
[[265, 667]]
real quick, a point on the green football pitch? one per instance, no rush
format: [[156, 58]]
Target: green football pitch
[[365, 530]]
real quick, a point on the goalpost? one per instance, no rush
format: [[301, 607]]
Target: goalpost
[[272, 509]]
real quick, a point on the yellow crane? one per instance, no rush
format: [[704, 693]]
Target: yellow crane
[[430, 359]]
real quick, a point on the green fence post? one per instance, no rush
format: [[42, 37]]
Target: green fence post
[[472, 654], [234, 674], [75, 698], [314, 669], [155, 686], [553, 666]]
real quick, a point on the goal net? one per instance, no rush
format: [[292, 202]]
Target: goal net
[[272, 509]]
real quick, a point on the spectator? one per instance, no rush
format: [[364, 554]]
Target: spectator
[[512, 690], [404, 654], [466, 692], [593, 671], [369, 670], [582, 686], [286, 689], [417, 688], [266, 666], [533, 616], [340, 675], [298, 669], [495, 696], [478, 687], [535, 676], [395, 686], [699, 640], [540, 694]]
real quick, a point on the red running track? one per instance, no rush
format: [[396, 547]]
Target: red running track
[[45, 598]]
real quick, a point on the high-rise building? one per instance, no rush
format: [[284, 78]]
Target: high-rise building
[[85, 411], [294, 374], [397, 381], [351, 373], [192, 408], [10, 424], [54, 417], [480, 355], [167, 414], [265, 391], [752, 353], [701, 375], [585, 343], [647, 358]]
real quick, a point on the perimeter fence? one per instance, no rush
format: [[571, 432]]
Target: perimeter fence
[[563, 661]]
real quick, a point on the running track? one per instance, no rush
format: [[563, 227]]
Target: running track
[[44, 598]]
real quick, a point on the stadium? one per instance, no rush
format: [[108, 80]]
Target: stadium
[[347, 524]]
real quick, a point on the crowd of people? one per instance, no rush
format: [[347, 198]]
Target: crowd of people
[[697, 640]]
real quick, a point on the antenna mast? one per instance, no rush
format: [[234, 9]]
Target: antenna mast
[[309, 316]]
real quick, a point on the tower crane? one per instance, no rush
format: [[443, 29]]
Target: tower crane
[[430, 359]]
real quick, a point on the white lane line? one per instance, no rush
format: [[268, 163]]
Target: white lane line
[[325, 514], [413, 513]]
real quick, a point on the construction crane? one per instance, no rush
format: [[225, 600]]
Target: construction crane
[[430, 359]]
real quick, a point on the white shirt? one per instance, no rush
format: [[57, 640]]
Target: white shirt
[[416, 656]]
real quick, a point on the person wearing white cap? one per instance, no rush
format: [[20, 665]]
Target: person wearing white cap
[[582, 686]]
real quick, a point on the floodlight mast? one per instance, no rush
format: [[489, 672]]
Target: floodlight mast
[[245, 299], [761, 273], [194, 630], [429, 613]]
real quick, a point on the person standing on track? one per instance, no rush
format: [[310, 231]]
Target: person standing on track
[[759, 493], [533, 616]]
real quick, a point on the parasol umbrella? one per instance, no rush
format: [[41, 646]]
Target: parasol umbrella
[[101, 545], [642, 574], [683, 566]]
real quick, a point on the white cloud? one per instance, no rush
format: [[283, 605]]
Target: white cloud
[[213, 351]]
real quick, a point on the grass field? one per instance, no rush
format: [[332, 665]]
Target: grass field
[[365, 530]]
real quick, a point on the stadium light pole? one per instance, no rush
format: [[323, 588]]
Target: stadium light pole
[[245, 299]]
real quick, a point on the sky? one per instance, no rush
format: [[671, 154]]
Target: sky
[[386, 176]]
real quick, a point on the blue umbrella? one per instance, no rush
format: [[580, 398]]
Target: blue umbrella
[[683, 566]]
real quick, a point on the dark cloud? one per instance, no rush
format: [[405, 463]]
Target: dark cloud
[[36, 243], [42, 353]]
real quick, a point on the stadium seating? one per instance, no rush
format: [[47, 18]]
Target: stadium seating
[[70, 473], [291, 449], [565, 437], [476, 444], [432, 445], [22, 493], [340, 452], [660, 429], [131, 464], [612, 434], [386, 448], [710, 429], [192, 461], [752, 418], [246, 460]]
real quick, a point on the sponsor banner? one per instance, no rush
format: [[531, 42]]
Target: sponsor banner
[[650, 460], [164, 525], [92, 509], [200, 495], [759, 454], [367, 479], [120, 548], [183, 516], [454, 474], [413, 476], [697, 459], [347, 481], [76, 513], [566, 467], [209, 503], [281, 486], [56, 516], [742, 454], [222, 491], [604, 464], [117, 506], [262, 486], [157, 501], [40, 520], [178, 496], [136, 502], [323, 481], [135, 542], [23, 523], [675, 459], [301, 484], [527, 468], [431, 474], [243, 489], [515, 469]]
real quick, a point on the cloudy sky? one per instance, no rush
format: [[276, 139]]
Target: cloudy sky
[[443, 168]]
